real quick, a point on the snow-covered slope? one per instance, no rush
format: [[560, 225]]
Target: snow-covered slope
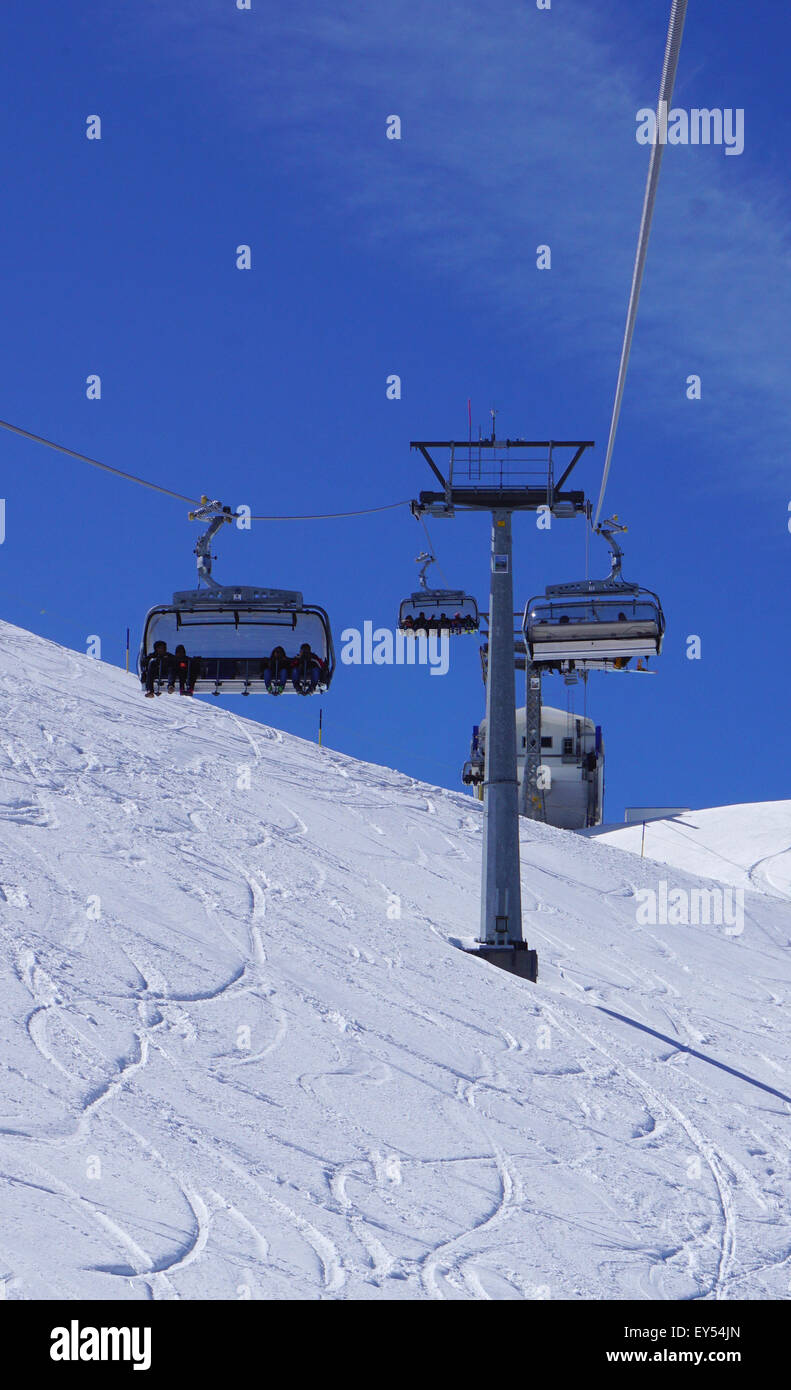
[[746, 846], [242, 1055]]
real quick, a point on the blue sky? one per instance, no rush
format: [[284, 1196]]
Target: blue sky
[[417, 257]]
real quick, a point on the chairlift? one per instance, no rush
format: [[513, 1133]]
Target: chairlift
[[604, 623], [473, 773], [437, 610], [230, 632]]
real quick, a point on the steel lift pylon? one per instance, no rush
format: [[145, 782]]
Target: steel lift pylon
[[501, 477]]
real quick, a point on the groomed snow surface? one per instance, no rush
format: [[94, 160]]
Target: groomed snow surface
[[242, 1054], [745, 846]]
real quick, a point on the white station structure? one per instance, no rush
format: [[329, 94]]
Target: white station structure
[[571, 768]]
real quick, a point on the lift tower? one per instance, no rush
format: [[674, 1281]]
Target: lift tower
[[501, 476]]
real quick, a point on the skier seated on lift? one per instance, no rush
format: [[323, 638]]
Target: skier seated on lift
[[408, 625], [621, 662], [276, 670], [308, 670], [185, 669], [158, 667], [421, 623]]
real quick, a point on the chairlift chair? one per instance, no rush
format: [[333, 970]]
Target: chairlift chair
[[230, 631], [437, 610], [604, 622], [473, 773]]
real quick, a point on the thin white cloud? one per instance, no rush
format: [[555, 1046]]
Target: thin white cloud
[[518, 129]]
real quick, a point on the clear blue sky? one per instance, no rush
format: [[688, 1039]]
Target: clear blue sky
[[416, 257]]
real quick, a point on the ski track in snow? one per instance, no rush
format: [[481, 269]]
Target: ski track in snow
[[761, 876], [243, 1052], [713, 1159]]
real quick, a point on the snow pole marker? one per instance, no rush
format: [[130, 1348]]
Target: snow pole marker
[[321, 711]]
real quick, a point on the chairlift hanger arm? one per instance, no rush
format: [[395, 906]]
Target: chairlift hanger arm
[[607, 529], [220, 515], [424, 559]]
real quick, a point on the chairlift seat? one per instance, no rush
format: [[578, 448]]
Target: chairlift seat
[[473, 772], [233, 630], [610, 624], [433, 606]]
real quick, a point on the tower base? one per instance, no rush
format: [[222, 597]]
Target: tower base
[[515, 957]]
